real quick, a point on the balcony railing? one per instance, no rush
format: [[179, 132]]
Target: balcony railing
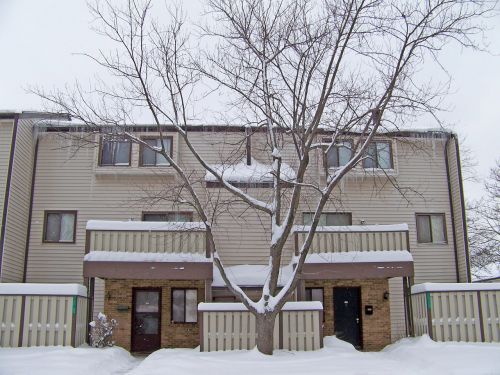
[[146, 237], [359, 238]]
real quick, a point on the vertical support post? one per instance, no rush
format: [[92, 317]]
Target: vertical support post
[[408, 306], [280, 330], [90, 308], [481, 321], [73, 320], [21, 322], [428, 302], [200, 334], [321, 327], [208, 290]]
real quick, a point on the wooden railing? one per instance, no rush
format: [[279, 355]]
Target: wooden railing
[[354, 238], [146, 237]]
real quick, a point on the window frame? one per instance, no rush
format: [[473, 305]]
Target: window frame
[[391, 157], [325, 154], [172, 305], [45, 221], [142, 147], [188, 213], [322, 294], [327, 212], [445, 232], [101, 148]]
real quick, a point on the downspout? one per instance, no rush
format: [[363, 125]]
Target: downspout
[[7, 189], [450, 197], [464, 221], [32, 193]]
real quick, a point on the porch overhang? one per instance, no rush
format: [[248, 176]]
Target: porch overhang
[[358, 265], [148, 270], [361, 270]]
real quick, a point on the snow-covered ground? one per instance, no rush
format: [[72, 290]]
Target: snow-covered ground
[[58, 360], [408, 356]]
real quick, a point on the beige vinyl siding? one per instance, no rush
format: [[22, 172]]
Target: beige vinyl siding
[[64, 182], [6, 127], [457, 209], [19, 203], [396, 300]]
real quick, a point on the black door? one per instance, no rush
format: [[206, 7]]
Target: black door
[[347, 314], [146, 320]]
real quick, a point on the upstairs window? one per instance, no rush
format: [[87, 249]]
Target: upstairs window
[[150, 158], [339, 155], [378, 155], [115, 153], [181, 217], [184, 305], [431, 228], [59, 226], [329, 218]]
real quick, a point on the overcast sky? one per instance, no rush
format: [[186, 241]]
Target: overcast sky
[[39, 40]]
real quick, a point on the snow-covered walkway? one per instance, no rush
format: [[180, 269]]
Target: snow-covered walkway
[[407, 357]]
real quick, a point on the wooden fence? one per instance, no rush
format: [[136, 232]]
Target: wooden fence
[[457, 312], [230, 326], [41, 318]]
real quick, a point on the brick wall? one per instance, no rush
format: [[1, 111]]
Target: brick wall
[[173, 335], [376, 328]]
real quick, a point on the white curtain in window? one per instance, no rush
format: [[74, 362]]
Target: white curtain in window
[[191, 306], [67, 227], [437, 224], [122, 153], [178, 305], [423, 229], [383, 155], [160, 159], [345, 153], [53, 227]]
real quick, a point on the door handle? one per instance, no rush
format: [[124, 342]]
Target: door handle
[[357, 320]]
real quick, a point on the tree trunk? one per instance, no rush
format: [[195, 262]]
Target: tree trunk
[[265, 332]]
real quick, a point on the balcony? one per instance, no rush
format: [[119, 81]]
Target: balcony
[[147, 250], [364, 251]]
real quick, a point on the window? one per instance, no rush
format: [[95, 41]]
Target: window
[[339, 155], [431, 228], [150, 158], [314, 294], [59, 226], [115, 152], [329, 218], [184, 305], [168, 216], [378, 155]]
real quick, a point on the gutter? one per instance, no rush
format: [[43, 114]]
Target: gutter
[[7, 188]]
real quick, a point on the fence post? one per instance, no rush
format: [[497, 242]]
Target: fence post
[[481, 322], [428, 302], [21, 322], [73, 320], [280, 330]]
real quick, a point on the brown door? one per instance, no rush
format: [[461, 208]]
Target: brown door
[[146, 320]]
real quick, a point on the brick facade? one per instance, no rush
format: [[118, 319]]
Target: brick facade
[[376, 328], [173, 335]]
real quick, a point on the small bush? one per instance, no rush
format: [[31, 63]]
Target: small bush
[[101, 331]]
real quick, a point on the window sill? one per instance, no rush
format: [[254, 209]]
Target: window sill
[[134, 171], [368, 172]]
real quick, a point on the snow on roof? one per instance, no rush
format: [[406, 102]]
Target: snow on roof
[[354, 228], [448, 287], [248, 275], [122, 256], [360, 257], [256, 172], [145, 225], [43, 289], [235, 306]]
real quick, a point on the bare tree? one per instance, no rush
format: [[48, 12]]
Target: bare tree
[[484, 226], [293, 69]]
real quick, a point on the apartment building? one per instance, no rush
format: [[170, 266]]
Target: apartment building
[[101, 212]]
